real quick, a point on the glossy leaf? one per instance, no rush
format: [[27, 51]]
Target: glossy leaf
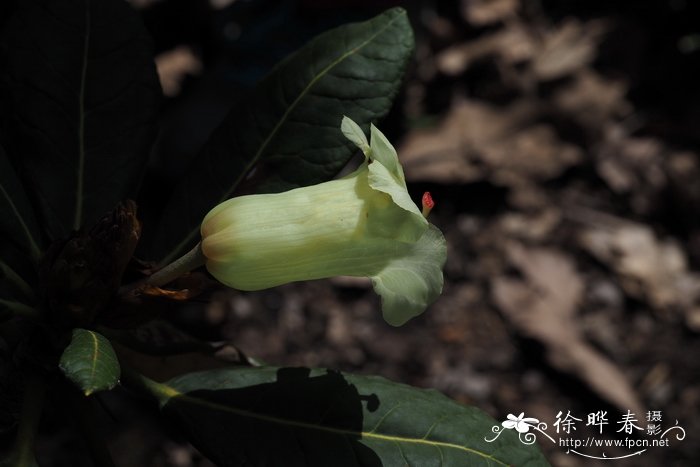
[[298, 417], [83, 92], [17, 222], [89, 361], [287, 130]]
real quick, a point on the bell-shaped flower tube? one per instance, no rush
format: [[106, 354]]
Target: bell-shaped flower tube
[[364, 224]]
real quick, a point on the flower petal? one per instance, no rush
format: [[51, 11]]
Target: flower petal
[[411, 282], [522, 427], [385, 173], [381, 179], [384, 153], [354, 133]]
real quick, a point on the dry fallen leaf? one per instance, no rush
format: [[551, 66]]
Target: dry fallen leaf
[[442, 154], [543, 306], [534, 153], [649, 268], [525, 53], [567, 49], [532, 227], [476, 141], [629, 163], [174, 65], [509, 46], [483, 12], [592, 99]]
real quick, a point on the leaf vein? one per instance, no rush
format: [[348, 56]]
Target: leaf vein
[[170, 393], [276, 128]]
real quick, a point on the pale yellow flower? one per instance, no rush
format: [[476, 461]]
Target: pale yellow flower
[[364, 224]]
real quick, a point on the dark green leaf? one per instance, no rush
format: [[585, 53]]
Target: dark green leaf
[[83, 91], [17, 221], [297, 417], [89, 362], [34, 392], [291, 122], [17, 279], [10, 308]]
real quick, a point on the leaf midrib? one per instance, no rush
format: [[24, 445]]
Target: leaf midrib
[[166, 393], [93, 365], [188, 238]]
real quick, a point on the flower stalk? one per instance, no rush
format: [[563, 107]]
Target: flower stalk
[[186, 263]]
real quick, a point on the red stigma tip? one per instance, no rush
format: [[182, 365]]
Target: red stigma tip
[[428, 203]]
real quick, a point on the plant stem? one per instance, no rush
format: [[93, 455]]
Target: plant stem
[[20, 284], [19, 309], [189, 261], [32, 404], [135, 381]]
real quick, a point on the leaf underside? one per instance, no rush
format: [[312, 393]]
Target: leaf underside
[[83, 93], [298, 417], [288, 130], [89, 361]]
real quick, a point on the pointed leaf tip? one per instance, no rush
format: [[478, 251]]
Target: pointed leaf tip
[[89, 362]]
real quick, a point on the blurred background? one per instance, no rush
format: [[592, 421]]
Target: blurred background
[[560, 142]]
